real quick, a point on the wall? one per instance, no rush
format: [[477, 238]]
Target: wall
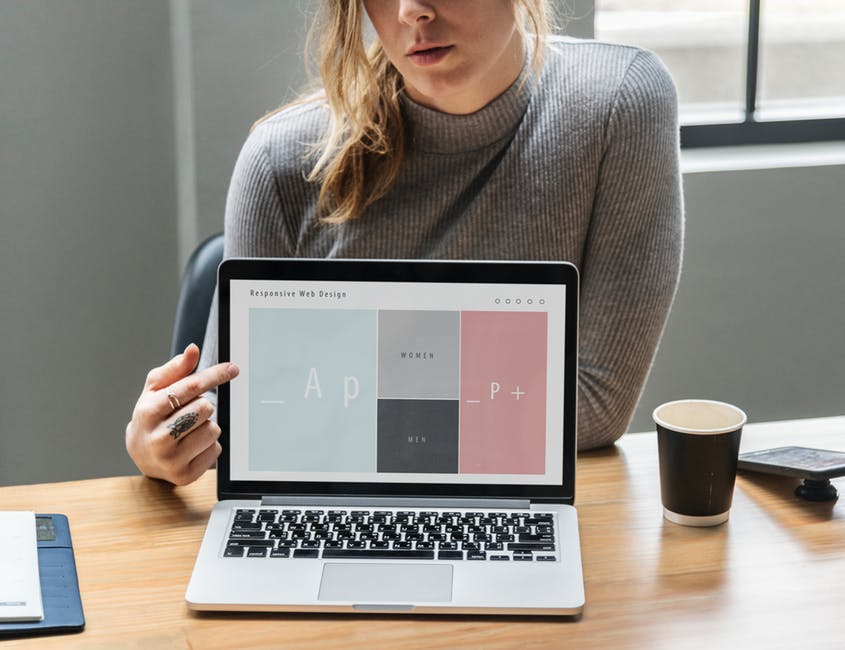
[[87, 216], [245, 64], [759, 317]]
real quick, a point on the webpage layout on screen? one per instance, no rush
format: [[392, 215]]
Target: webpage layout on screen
[[396, 382]]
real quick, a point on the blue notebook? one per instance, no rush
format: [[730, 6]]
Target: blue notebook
[[59, 585]]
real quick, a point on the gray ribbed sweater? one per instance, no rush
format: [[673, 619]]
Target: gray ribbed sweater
[[580, 165]]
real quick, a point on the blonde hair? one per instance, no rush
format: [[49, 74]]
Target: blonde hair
[[363, 148]]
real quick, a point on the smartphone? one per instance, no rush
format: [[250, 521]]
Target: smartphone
[[798, 462]]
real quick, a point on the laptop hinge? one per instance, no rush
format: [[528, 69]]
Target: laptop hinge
[[398, 502]]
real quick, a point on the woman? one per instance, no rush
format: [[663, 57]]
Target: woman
[[459, 136]]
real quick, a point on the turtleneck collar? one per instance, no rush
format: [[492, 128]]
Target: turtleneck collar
[[433, 131]]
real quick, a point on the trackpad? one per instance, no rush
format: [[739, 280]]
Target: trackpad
[[386, 583]]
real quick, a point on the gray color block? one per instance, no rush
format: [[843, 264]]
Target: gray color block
[[419, 354]]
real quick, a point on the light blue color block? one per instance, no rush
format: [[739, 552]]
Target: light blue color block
[[312, 386]]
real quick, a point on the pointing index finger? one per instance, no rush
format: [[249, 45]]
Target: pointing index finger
[[189, 388]]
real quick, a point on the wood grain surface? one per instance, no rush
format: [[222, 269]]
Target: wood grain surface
[[772, 577]]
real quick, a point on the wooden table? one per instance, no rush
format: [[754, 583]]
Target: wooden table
[[772, 577]]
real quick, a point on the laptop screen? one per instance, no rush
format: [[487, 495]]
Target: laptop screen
[[380, 381]]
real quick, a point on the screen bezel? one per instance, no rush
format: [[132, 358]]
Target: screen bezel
[[487, 272]]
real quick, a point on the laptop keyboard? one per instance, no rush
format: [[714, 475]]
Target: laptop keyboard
[[511, 536]]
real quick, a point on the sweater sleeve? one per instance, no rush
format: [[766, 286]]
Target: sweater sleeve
[[632, 256]]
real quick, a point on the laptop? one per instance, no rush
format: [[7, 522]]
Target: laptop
[[401, 439]]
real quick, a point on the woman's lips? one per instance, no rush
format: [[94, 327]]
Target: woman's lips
[[430, 56]]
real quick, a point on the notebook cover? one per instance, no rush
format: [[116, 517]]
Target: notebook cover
[[59, 585]]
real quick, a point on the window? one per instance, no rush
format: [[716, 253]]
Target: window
[[747, 71]]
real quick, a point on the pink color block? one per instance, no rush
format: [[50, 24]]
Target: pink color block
[[503, 392]]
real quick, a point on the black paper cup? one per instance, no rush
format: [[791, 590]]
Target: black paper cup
[[698, 445]]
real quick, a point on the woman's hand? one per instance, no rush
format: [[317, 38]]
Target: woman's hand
[[170, 435]]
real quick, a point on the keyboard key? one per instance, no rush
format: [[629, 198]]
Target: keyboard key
[[264, 543], [280, 552], [256, 551], [306, 552], [536, 538], [450, 555], [518, 557], [247, 534], [546, 558], [500, 558], [476, 555], [377, 554], [532, 546], [234, 551]]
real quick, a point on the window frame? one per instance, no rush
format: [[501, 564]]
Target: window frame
[[751, 129]]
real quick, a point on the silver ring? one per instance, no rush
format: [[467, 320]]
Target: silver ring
[[174, 401]]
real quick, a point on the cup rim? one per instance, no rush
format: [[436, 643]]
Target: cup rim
[[683, 429]]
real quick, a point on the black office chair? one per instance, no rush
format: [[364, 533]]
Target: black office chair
[[196, 293]]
